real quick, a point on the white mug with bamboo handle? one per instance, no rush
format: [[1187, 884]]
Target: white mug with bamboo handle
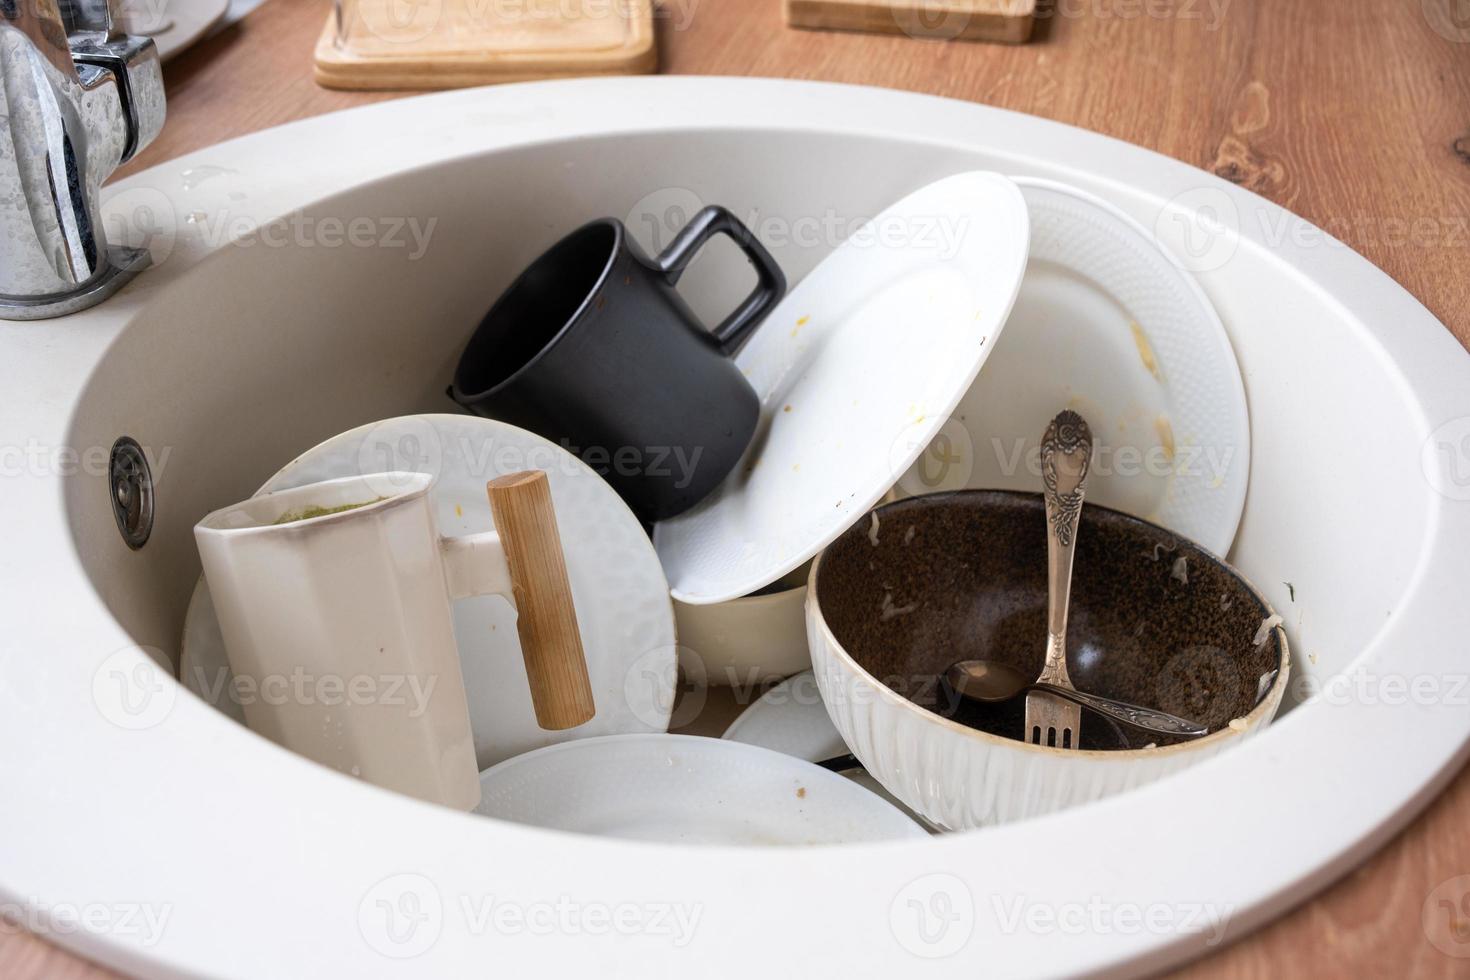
[[334, 602]]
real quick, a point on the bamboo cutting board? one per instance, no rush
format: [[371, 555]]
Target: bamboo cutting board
[[436, 44], [1004, 21]]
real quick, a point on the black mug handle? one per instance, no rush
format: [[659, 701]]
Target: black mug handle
[[771, 281]]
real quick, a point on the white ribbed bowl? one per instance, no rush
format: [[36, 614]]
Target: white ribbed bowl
[[961, 778]]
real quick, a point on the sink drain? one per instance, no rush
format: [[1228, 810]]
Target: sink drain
[[131, 485]]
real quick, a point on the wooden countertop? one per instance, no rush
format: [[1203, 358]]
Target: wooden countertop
[[1354, 115]]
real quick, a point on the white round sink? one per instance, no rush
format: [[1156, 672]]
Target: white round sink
[[401, 223]]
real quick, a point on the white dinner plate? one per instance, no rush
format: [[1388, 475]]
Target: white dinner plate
[[173, 24], [856, 369], [686, 789], [791, 719], [618, 588], [1109, 324]]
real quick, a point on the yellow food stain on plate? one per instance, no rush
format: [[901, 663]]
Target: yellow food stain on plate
[[458, 511], [1145, 350], [1166, 435], [786, 409]]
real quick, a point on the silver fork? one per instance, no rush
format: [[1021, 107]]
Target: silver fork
[[1066, 454]]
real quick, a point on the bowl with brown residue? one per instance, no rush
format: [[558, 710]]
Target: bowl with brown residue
[[1155, 620]]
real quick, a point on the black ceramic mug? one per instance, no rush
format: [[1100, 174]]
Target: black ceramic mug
[[592, 347]]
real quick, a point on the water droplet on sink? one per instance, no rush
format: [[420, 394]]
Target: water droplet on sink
[[194, 176]]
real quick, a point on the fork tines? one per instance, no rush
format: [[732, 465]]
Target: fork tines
[[1052, 721]]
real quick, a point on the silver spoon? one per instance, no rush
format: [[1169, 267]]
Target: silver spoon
[[989, 681]]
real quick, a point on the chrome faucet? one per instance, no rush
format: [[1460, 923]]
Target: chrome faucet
[[80, 98]]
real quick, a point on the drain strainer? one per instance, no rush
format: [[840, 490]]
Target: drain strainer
[[131, 485]]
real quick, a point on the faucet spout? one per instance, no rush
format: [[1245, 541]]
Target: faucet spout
[[79, 100]]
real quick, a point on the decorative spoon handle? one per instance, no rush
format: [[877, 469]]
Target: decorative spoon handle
[[1066, 455], [1148, 719]]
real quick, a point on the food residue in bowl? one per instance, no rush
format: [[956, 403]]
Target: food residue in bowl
[[889, 610], [307, 513], [1267, 625]]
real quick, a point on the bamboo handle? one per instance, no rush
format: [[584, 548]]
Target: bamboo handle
[[556, 666]]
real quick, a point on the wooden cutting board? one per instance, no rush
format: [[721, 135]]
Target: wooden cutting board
[[436, 44], [1004, 21]]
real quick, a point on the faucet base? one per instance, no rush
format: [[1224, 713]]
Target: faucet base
[[123, 263]]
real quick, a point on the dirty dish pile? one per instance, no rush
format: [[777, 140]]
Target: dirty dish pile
[[789, 486]]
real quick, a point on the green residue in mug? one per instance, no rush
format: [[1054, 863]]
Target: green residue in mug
[[307, 513]]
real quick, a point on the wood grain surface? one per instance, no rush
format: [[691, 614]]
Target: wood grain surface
[[1002, 21], [469, 45], [1355, 114], [546, 619]]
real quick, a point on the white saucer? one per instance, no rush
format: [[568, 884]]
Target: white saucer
[[619, 590], [686, 789], [1109, 324], [791, 719], [856, 369], [174, 25]]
